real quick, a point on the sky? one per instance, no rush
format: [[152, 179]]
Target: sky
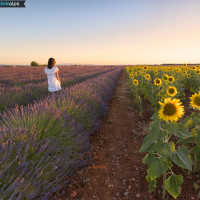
[[102, 32]]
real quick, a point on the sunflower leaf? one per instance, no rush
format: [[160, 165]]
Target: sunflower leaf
[[155, 116], [149, 159], [198, 137], [187, 140], [188, 122], [171, 128], [148, 145], [196, 151], [182, 132], [182, 158], [173, 184], [178, 130], [157, 168], [158, 133], [195, 118], [154, 125], [165, 149], [152, 183]]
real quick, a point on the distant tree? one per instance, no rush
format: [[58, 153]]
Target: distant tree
[[33, 63]]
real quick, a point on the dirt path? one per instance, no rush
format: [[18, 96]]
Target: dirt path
[[115, 161], [116, 170]]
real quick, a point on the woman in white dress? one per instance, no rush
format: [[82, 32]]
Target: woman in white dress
[[51, 70]]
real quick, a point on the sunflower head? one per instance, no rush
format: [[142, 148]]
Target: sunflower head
[[135, 82], [197, 71], [131, 75], [194, 68], [188, 75], [195, 100], [147, 76], [157, 81], [156, 72], [171, 110], [171, 79], [145, 67], [165, 77], [172, 91]]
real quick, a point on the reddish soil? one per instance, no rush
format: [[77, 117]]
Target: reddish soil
[[117, 171]]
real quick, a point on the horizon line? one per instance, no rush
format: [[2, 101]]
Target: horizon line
[[104, 64]]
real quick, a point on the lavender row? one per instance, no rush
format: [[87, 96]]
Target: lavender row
[[28, 93], [19, 76], [43, 144]]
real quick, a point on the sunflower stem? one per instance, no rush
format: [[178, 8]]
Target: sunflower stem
[[164, 187], [195, 165]]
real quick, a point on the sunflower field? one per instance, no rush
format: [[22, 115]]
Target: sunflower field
[[173, 93]]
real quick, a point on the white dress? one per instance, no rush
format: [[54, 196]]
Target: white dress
[[53, 83]]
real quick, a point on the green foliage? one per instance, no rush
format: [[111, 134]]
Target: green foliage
[[162, 154], [135, 96], [182, 158], [169, 143], [173, 184], [152, 183], [34, 63], [196, 152]]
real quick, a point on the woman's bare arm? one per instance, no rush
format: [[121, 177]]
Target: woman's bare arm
[[58, 77]]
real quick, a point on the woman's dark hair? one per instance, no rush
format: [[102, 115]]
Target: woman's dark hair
[[50, 63]]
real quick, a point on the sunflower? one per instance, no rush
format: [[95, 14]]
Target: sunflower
[[142, 73], [171, 79], [135, 82], [157, 81], [145, 67], [147, 76], [156, 72], [131, 75], [198, 71], [193, 68], [188, 76], [195, 100], [165, 77], [184, 72], [172, 91], [171, 110]]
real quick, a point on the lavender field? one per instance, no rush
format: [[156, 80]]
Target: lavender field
[[44, 137], [23, 85]]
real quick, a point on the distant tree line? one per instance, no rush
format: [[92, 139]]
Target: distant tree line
[[34, 63]]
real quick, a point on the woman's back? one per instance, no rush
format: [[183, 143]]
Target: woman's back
[[53, 83]]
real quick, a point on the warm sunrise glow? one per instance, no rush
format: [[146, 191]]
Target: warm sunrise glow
[[101, 32]]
